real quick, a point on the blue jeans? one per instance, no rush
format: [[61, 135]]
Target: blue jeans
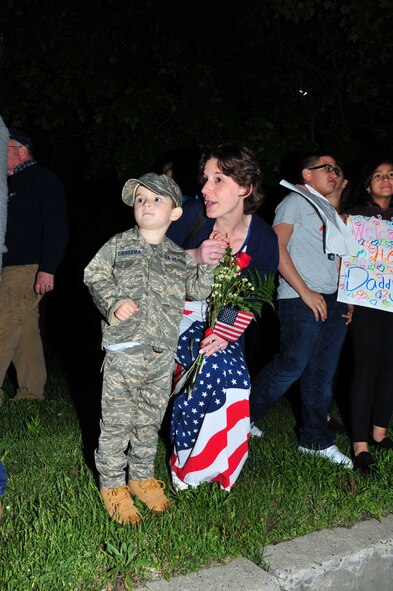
[[3, 479], [310, 351]]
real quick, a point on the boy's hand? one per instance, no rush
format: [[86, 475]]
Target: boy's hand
[[316, 302], [126, 310]]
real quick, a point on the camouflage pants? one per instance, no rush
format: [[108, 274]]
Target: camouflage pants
[[136, 390]]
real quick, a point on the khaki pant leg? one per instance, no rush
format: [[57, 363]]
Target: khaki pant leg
[[29, 359], [152, 402], [17, 300]]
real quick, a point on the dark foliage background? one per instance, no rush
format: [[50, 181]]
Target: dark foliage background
[[110, 89], [114, 87]]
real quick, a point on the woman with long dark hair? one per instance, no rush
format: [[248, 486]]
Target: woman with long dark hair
[[370, 330]]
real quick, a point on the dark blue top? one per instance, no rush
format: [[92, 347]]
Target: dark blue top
[[262, 244], [37, 227]]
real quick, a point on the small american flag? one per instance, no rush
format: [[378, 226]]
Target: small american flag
[[232, 323]]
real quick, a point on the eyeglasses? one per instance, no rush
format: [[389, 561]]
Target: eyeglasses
[[17, 147], [328, 168]]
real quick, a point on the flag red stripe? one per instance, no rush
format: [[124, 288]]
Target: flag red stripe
[[233, 461], [227, 333], [218, 442], [229, 466]]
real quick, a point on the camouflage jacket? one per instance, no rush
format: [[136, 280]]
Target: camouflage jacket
[[157, 279]]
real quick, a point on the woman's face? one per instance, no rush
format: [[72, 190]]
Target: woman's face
[[381, 184], [341, 182], [222, 195]]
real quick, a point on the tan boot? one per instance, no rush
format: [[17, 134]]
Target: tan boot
[[24, 394], [119, 505], [151, 493]]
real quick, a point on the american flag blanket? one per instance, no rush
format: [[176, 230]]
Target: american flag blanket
[[210, 431]]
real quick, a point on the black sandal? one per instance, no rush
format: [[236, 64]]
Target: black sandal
[[386, 443], [364, 463]]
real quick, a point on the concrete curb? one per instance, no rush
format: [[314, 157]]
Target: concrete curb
[[358, 558]]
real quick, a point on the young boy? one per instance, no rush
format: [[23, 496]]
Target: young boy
[[139, 280]]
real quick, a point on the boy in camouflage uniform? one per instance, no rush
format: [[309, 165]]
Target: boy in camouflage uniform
[[139, 280]]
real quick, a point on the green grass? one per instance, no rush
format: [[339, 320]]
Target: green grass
[[55, 534]]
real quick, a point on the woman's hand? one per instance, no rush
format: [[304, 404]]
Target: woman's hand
[[349, 314], [212, 344], [209, 252]]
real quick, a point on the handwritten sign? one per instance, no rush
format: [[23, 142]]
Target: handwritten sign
[[367, 278]]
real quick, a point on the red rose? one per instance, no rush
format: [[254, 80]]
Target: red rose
[[243, 260], [208, 332]]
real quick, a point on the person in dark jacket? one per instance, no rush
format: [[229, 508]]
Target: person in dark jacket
[[36, 238]]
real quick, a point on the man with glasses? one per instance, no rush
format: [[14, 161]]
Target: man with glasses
[[313, 323], [36, 237]]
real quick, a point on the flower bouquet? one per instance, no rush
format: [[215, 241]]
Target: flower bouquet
[[235, 300]]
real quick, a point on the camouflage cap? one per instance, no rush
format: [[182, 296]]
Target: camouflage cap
[[160, 184]]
